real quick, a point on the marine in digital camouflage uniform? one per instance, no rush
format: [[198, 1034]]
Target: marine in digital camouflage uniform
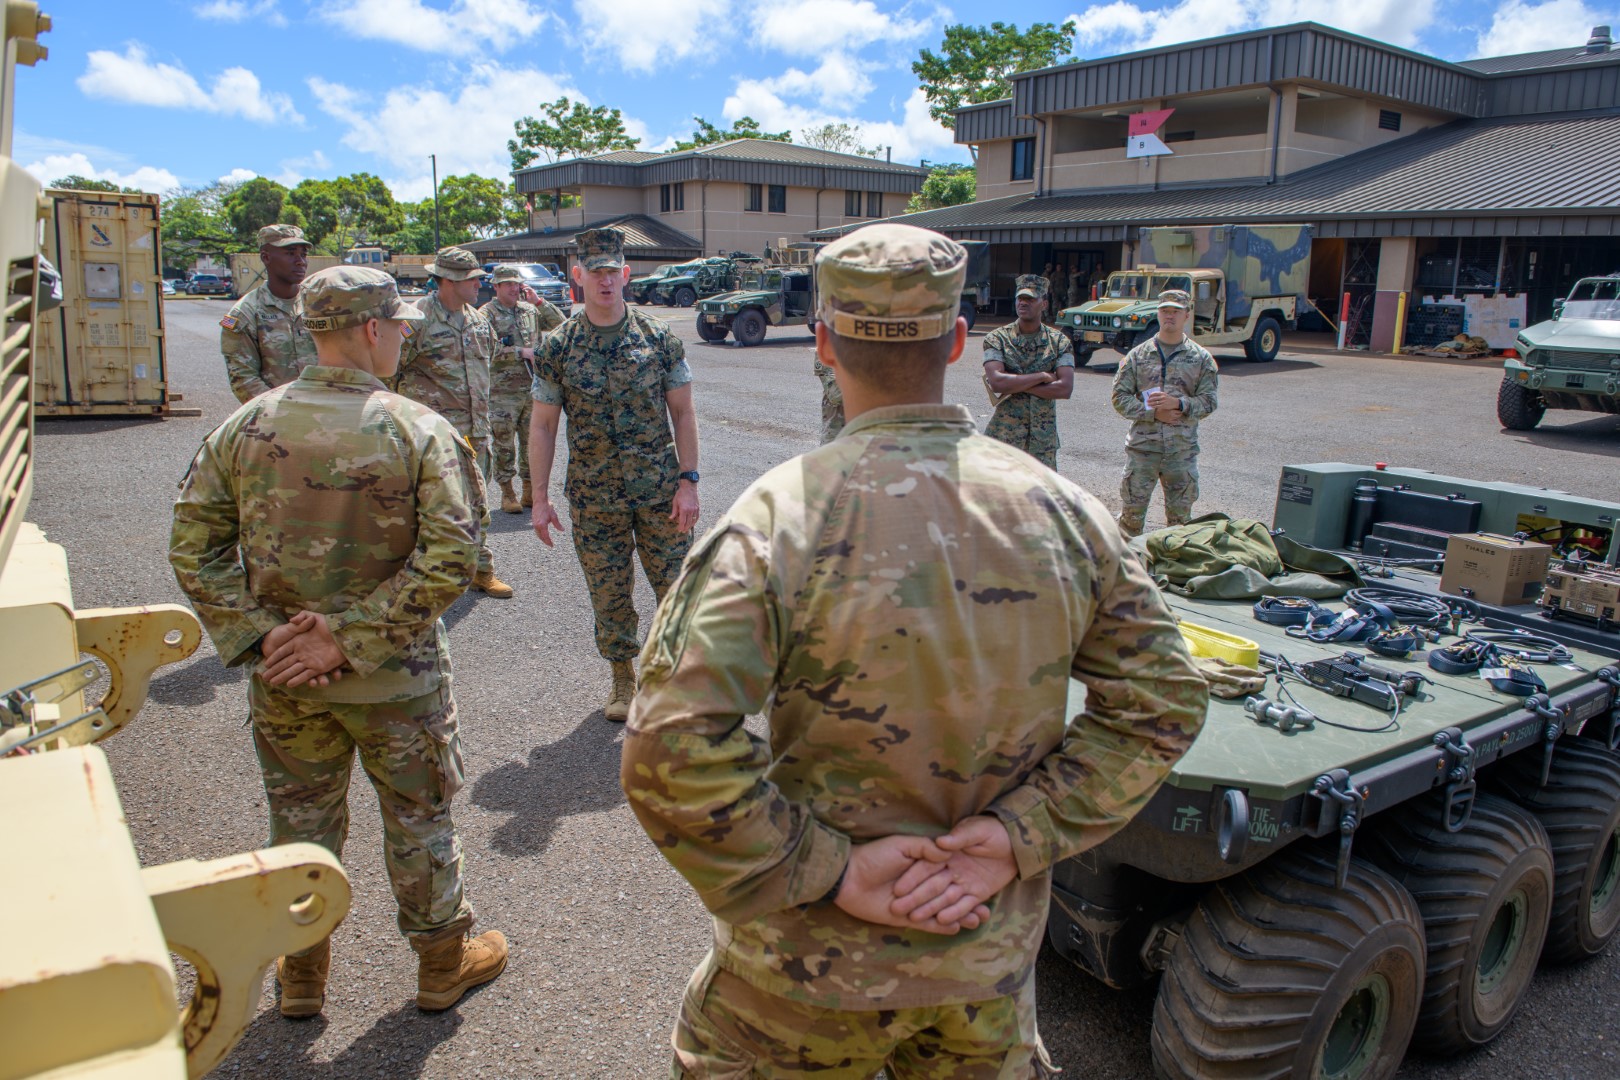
[[1162, 447], [906, 605], [621, 376], [518, 326], [332, 494], [446, 366], [1077, 287], [263, 342], [1032, 365], [832, 403]]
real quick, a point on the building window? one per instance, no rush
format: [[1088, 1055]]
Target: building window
[[852, 204], [663, 198], [874, 204], [1023, 159], [778, 199], [680, 196], [755, 202], [1389, 119]]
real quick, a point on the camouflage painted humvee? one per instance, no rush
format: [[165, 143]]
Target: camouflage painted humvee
[[705, 277], [640, 289], [767, 296]]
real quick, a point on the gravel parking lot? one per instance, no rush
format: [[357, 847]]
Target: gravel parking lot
[[603, 932]]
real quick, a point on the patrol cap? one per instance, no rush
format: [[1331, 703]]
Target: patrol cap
[[455, 264], [342, 296], [282, 236], [600, 249], [1176, 298], [1032, 285], [505, 273], [891, 282]]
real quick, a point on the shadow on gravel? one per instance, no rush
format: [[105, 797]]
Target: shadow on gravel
[[1242, 366], [195, 684], [579, 774], [1594, 436], [398, 1045]]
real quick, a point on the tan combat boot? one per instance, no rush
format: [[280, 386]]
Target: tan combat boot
[[617, 708], [451, 963], [509, 499], [487, 583], [303, 981], [528, 493]]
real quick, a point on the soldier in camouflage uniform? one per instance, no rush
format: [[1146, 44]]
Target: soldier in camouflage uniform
[[906, 605], [1164, 386], [1029, 366], [518, 326], [320, 533], [263, 342], [1077, 287], [446, 366], [621, 376], [832, 403]]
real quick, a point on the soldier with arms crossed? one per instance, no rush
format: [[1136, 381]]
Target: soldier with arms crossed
[[518, 325], [621, 376], [1031, 366], [1164, 386], [320, 533], [906, 604], [263, 342]]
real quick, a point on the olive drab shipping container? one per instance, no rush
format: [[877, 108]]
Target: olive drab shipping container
[[101, 353]]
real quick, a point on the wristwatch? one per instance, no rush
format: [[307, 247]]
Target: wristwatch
[[689, 474]]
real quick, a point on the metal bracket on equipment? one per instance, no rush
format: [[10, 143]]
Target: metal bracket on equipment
[[1334, 789], [1541, 705], [1460, 786], [29, 713]]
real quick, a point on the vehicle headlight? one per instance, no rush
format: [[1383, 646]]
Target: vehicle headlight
[[1118, 322]]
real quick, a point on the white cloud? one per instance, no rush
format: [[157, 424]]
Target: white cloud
[[238, 175], [1123, 26], [145, 177], [1518, 27], [840, 82], [296, 170], [466, 28], [811, 27], [133, 78], [645, 34], [235, 11], [914, 136]]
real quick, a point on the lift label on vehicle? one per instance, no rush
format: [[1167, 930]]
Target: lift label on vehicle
[[1294, 489]]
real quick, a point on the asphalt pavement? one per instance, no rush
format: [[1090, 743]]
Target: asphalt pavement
[[603, 932]]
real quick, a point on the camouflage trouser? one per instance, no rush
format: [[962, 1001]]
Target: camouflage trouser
[[486, 560], [832, 403], [1144, 470], [412, 753], [1039, 441], [509, 421], [605, 540], [728, 1028]]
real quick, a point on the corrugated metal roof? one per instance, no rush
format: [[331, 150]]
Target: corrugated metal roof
[[1496, 65], [794, 154], [633, 168], [1527, 169], [641, 233]]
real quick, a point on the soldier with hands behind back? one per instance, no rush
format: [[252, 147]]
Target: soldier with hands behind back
[[906, 604], [1030, 366], [518, 324], [263, 342], [1164, 387], [320, 533], [622, 378]]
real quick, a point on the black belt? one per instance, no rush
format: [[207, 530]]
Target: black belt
[[1462, 657], [1401, 641], [1286, 610], [1523, 645]]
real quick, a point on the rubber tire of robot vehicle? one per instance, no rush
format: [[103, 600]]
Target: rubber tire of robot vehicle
[[1485, 892], [1267, 340], [749, 327], [685, 296], [1281, 972], [1518, 408], [970, 312], [1580, 809]]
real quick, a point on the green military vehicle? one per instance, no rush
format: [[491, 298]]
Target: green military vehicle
[[1247, 284], [640, 289], [706, 277], [1571, 361], [766, 296], [1372, 851]]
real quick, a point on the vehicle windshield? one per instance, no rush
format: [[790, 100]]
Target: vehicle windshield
[[1138, 286], [1595, 298]]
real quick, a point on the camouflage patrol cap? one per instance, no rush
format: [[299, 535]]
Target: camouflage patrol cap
[[342, 296], [282, 236], [455, 264], [505, 273], [1176, 298], [600, 249], [891, 282], [1031, 285]]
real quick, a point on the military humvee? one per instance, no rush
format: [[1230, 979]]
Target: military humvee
[[1571, 361], [639, 289], [707, 277], [767, 296]]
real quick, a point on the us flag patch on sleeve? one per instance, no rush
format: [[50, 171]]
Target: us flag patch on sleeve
[[228, 322]]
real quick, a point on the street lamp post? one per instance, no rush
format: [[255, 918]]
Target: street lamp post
[[435, 159]]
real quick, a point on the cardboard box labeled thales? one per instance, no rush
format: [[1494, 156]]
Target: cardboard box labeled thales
[[1494, 569]]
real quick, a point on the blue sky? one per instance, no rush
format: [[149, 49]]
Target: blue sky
[[170, 92]]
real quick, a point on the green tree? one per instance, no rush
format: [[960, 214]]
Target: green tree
[[476, 207], [337, 212], [84, 183], [839, 138], [706, 134], [568, 129], [947, 185], [257, 203], [976, 63], [194, 223]]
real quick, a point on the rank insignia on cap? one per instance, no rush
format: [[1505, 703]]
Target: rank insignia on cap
[[228, 322]]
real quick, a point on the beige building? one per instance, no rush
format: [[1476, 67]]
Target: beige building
[[743, 195]]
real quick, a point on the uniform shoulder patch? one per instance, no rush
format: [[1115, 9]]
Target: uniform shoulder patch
[[230, 322]]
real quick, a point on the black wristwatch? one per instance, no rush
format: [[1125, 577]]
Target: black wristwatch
[[689, 474]]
